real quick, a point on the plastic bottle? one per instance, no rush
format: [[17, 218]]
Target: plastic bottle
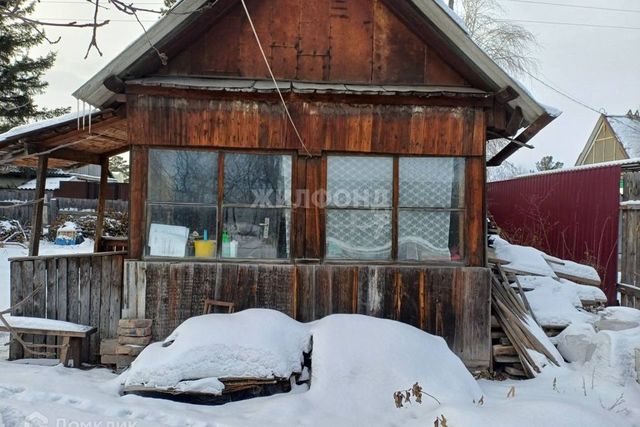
[[226, 245], [234, 249]]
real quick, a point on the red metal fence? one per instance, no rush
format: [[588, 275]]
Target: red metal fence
[[570, 214]]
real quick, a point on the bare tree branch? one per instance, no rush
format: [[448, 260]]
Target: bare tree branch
[[510, 45]]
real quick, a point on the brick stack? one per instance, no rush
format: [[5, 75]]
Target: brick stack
[[133, 336]]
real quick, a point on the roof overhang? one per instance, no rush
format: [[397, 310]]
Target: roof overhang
[[67, 141]]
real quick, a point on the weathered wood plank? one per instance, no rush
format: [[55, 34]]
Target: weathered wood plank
[[95, 284], [105, 298], [84, 300], [52, 294], [28, 282], [40, 299], [73, 291], [306, 290], [115, 302], [17, 294]]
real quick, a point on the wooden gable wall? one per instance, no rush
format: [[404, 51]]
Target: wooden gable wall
[[359, 41], [604, 146]]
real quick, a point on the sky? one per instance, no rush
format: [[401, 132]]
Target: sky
[[586, 50]]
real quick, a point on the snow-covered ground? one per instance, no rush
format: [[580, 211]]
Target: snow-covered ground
[[358, 363]]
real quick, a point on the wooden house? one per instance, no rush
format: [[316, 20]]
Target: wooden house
[[613, 138], [347, 176]]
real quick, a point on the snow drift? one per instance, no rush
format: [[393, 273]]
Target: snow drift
[[351, 355]]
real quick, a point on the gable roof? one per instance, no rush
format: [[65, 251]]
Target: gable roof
[[433, 13], [626, 130]]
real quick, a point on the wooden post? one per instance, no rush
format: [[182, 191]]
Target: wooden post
[[36, 219], [104, 174]]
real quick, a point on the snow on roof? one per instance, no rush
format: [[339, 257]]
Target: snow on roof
[[627, 130], [50, 184], [627, 162], [456, 18], [43, 124]]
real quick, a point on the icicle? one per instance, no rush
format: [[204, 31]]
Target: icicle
[[84, 106], [90, 115], [78, 112]]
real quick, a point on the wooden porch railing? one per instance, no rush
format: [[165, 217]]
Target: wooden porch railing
[[79, 288], [629, 295]]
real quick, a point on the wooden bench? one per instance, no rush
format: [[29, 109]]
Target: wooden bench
[[72, 335]]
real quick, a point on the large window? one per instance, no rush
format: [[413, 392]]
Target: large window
[[417, 219], [257, 205], [359, 207], [431, 192], [185, 197], [181, 202]]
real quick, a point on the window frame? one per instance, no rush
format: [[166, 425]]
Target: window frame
[[219, 206], [395, 213]]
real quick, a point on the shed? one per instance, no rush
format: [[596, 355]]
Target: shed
[[346, 176]]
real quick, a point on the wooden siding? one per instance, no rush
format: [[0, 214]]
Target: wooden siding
[[85, 289], [451, 302], [324, 126], [317, 40]]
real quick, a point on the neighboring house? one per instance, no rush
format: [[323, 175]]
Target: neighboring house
[[613, 138], [389, 105], [12, 177]]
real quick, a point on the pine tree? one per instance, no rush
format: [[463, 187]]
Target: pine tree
[[119, 165], [548, 164], [21, 76]]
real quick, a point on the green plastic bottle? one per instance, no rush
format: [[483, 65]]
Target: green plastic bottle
[[226, 245]]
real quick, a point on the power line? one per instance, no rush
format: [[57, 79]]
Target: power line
[[558, 91], [578, 6], [85, 20], [573, 99], [570, 24]]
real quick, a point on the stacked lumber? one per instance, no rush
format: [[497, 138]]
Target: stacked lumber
[[133, 336], [515, 331]]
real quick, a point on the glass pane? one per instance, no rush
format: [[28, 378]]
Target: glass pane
[[358, 234], [178, 231], [431, 182], [359, 181], [256, 233], [424, 235], [183, 176], [258, 180]]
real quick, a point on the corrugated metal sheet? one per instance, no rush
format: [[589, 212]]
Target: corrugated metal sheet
[[573, 215]]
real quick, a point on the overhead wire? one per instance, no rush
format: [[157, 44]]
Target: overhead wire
[[576, 6], [273, 78]]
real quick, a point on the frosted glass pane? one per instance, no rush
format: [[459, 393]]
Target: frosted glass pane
[[431, 182], [359, 181], [424, 235], [358, 234]]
